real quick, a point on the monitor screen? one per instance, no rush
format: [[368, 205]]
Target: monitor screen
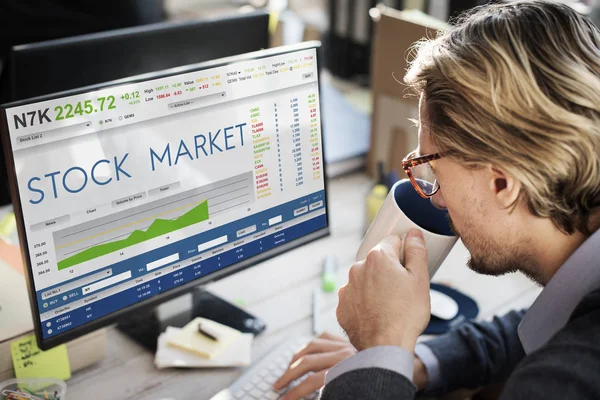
[[129, 194]]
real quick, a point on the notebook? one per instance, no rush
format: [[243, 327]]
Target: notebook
[[238, 354]]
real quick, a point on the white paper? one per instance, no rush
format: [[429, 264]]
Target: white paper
[[238, 354]]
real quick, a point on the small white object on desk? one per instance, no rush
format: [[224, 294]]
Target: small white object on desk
[[442, 305], [237, 354]]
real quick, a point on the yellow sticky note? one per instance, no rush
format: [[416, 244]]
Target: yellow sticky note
[[8, 224], [273, 21], [31, 362]]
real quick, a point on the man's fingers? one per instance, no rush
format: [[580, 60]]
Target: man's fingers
[[343, 307], [415, 253], [391, 245], [309, 385], [329, 336], [285, 379], [309, 363], [319, 346]]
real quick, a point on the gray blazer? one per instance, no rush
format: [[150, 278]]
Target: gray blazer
[[566, 367]]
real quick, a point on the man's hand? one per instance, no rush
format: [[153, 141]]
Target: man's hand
[[317, 357], [385, 303]]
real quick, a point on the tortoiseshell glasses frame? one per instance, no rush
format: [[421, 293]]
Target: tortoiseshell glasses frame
[[427, 188]]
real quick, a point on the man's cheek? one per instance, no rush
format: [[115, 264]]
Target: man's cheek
[[453, 223]]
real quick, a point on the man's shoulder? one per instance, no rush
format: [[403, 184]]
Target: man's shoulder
[[589, 306], [583, 325], [567, 366]]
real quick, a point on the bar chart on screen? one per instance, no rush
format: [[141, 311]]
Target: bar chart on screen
[[126, 233]]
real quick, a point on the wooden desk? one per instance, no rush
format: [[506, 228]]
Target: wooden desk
[[280, 293]]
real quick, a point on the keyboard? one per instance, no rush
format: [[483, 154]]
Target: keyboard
[[257, 382]]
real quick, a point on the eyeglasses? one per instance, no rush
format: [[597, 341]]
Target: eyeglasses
[[421, 173]]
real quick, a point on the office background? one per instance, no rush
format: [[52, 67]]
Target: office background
[[356, 107]]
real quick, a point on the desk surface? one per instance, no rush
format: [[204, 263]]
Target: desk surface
[[281, 293]]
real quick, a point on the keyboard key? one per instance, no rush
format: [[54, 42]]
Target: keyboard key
[[256, 384], [283, 366], [272, 395]]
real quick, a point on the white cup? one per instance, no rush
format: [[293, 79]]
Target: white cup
[[403, 210]]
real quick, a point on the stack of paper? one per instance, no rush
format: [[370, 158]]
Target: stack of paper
[[186, 348]]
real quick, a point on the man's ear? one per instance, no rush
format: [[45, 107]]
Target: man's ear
[[505, 187]]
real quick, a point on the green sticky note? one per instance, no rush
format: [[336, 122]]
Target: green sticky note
[[31, 362]]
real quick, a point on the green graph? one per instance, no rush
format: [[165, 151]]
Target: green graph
[[158, 228]]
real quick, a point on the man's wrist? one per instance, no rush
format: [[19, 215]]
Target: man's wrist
[[420, 378], [432, 368], [407, 342], [393, 358]]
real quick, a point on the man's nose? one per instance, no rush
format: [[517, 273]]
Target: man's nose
[[438, 200]]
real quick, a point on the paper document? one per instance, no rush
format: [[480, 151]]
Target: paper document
[[237, 354], [190, 340]]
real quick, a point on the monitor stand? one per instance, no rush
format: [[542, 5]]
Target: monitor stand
[[144, 327]]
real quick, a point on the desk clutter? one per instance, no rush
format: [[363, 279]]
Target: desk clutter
[[203, 343], [33, 389]]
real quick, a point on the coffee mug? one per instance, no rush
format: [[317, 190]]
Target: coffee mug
[[404, 209]]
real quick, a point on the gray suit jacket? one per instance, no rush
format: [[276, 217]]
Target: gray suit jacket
[[477, 354]]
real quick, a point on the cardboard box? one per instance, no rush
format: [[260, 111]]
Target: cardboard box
[[392, 134]]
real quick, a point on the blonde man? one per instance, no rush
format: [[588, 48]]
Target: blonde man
[[509, 140]]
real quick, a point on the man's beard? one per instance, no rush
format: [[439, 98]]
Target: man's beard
[[494, 259]]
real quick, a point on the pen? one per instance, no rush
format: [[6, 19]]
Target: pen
[[316, 311], [204, 331]]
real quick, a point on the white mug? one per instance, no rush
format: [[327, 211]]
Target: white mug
[[403, 210]]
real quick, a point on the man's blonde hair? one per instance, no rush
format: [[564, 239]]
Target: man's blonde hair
[[518, 85]]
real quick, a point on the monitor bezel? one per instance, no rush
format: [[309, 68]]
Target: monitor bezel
[[159, 298], [18, 52]]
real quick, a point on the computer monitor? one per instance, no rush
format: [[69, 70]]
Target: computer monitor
[[129, 194], [56, 65]]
